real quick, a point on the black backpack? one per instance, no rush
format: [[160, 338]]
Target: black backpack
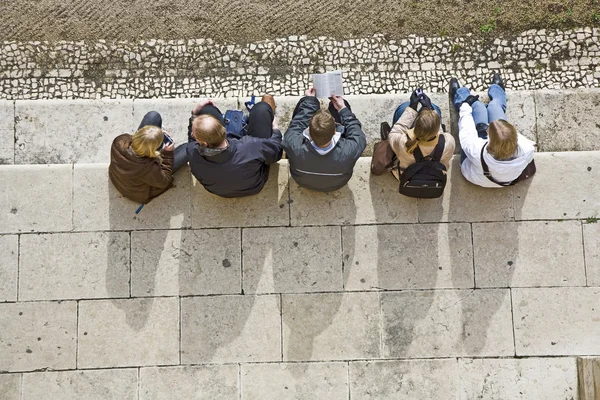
[[426, 178]]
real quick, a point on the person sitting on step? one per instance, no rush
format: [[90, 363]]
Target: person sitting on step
[[228, 166], [142, 165], [488, 141]]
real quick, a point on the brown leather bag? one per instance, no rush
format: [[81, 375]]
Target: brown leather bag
[[384, 159]]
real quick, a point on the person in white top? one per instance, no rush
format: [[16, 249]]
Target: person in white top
[[488, 141]]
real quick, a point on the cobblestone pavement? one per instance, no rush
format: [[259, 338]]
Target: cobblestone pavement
[[198, 68]]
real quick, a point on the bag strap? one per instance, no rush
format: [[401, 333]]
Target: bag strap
[[486, 170], [439, 149]]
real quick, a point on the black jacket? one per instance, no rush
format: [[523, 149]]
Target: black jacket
[[241, 169], [329, 171]]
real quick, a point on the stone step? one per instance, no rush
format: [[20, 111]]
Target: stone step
[[81, 131]]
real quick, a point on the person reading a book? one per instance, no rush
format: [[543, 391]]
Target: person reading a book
[[323, 146], [227, 166]]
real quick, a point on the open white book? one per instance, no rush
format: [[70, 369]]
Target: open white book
[[328, 84]]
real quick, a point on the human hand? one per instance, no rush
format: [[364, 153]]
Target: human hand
[[200, 105], [337, 101], [311, 92], [414, 99], [426, 101], [169, 147]]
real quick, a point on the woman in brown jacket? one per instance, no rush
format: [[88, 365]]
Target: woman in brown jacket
[[140, 167]]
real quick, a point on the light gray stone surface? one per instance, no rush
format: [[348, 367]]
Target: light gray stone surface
[[186, 262], [447, 323], [518, 379], [565, 186], [556, 321], [20, 210], [9, 267], [591, 238], [65, 131], [38, 335], [518, 254], [115, 384], [74, 266], [118, 333], [285, 109], [565, 121], [521, 112], [393, 257], [230, 329], [333, 326], [97, 204], [367, 199], [10, 386], [284, 260], [300, 381], [404, 380], [190, 383], [7, 132], [270, 207]]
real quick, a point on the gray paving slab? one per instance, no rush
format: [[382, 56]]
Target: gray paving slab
[[521, 112], [316, 326], [186, 262], [409, 256], [119, 384], [7, 132], [464, 202], [572, 174], [285, 109], [292, 259], [74, 266], [532, 253], [564, 119], [66, 131], [230, 329], [190, 383], [38, 335], [97, 205], [404, 380], [270, 207], [367, 199], [10, 386], [518, 379], [447, 323], [130, 332], [20, 210], [591, 239], [556, 321], [9, 267]]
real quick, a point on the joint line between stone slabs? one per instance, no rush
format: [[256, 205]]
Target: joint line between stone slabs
[[380, 324], [512, 318], [240, 381], [281, 323], [21, 384], [348, 377], [130, 267], [473, 255], [18, 265], [241, 261], [584, 258], [180, 326], [72, 197], [342, 255], [77, 340], [15, 139], [139, 382]]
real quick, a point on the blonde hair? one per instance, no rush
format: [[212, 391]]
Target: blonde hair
[[146, 140], [503, 139], [208, 129], [427, 126], [321, 127]]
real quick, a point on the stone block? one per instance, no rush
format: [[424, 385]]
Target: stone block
[[270, 207], [367, 199], [186, 262], [75, 385], [518, 379], [556, 321], [448, 323], [285, 109], [230, 329], [97, 205], [7, 132], [591, 239], [74, 266], [9, 267], [404, 380], [300, 381], [518, 254], [464, 202], [131, 332], [21, 210], [10, 386], [565, 119], [393, 257], [284, 260], [332, 326], [574, 175], [68, 131], [38, 335], [197, 383]]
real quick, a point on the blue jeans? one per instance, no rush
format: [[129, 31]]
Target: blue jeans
[[402, 107]]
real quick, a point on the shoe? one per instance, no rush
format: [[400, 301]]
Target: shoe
[[270, 100], [453, 87], [497, 80], [384, 130]]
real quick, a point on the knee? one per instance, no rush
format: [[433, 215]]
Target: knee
[[262, 108], [153, 118]]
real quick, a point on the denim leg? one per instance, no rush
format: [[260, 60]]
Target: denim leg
[[152, 118], [213, 111], [399, 111], [480, 114], [460, 96], [497, 107], [180, 157]]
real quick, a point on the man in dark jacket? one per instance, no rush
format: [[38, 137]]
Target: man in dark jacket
[[323, 146], [230, 167]]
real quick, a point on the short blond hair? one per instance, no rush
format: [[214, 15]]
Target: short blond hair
[[321, 128], [208, 129], [146, 141], [503, 139], [427, 126]]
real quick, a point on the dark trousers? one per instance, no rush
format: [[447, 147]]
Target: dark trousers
[[334, 113], [180, 157], [260, 120]]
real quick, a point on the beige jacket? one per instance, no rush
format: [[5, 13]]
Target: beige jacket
[[398, 138]]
